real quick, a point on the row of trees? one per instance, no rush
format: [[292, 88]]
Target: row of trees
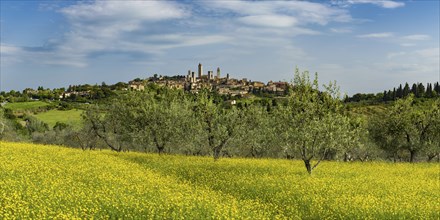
[[91, 92], [417, 89], [312, 125], [406, 127]]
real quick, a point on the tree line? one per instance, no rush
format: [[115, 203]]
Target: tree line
[[418, 90], [312, 125]]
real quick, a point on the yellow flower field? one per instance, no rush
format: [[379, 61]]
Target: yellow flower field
[[41, 182]]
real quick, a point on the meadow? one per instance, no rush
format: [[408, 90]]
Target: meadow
[[25, 106], [71, 117], [39, 181]]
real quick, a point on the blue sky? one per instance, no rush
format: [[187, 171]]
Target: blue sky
[[365, 45]]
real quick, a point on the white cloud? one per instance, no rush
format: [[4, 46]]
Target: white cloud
[[407, 45], [381, 3], [291, 12], [341, 30], [269, 20], [396, 54], [10, 54], [105, 11], [417, 37], [377, 35], [430, 53], [101, 27], [414, 64]]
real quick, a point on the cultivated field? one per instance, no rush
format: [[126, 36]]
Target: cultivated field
[[54, 182]]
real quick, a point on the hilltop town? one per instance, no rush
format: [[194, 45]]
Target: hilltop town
[[193, 82], [222, 85]]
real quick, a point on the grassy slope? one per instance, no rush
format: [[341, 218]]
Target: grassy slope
[[23, 106], [47, 181], [71, 117]]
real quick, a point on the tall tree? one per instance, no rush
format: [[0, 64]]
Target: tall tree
[[414, 89], [420, 90], [406, 90], [399, 92], [437, 88]]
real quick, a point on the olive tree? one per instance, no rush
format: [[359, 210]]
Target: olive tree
[[257, 136], [316, 123], [106, 123], [218, 125], [408, 127], [163, 119]]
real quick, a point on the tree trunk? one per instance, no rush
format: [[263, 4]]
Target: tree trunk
[[345, 157], [217, 151], [412, 156], [430, 157], [160, 149], [308, 166]]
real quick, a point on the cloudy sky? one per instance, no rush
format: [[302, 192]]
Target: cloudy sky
[[365, 45]]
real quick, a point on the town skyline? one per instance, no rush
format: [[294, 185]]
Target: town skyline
[[366, 46]]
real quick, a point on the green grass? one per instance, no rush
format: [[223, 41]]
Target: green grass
[[24, 106], [71, 117], [46, 182]]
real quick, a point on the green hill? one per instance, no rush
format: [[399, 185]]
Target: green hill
[[55, 182], [71, 117]]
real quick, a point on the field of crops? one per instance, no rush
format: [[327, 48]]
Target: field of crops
[[39, 181]]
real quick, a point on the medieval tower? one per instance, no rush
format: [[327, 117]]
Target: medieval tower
[[200, 70]]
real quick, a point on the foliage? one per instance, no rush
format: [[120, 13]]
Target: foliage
[[24, 106], [46, 182], [70, 117], [35, 125], [314, 125], [407, 127], [418, 90], [218, 126]]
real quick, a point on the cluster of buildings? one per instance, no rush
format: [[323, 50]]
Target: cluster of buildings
[[223, 85]]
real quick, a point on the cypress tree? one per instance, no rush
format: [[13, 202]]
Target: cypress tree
[[394, 94], [406, 90], [437, 88], [429, 92], [414, 89], [420, 90], [399, 92]]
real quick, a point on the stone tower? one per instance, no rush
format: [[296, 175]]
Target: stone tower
[[193, 77], [200, 70], [218, 72]]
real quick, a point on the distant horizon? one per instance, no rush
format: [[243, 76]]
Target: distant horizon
[[224, 75], [366, 46]]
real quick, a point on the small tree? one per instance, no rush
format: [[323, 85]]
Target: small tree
[[106, 126], [406, 126], [257, 134], [218, 125], [162, 118], [316, 125]]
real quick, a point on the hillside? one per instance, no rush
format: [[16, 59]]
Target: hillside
[[56, 182]]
